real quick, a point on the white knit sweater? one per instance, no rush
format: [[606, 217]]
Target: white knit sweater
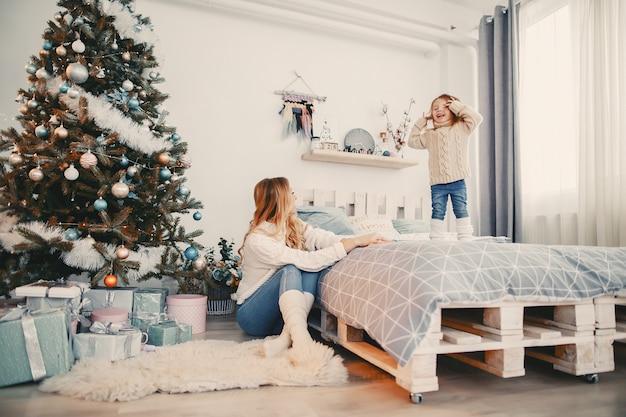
[[263, 255], [447, 146]]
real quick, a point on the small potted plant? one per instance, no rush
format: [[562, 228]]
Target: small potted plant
[[224, 277]]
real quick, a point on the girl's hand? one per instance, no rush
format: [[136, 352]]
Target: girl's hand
[[427, 116]]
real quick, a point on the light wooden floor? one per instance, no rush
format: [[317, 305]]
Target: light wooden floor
[[464, 391]]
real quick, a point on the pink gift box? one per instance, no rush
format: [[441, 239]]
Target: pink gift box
[[189, 309], [109, 315]]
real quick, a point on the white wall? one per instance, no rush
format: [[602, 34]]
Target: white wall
[[222, 67]]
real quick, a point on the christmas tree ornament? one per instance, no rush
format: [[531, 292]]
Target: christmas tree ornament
[[58, 16], [16, 159], [191, 253], [114, 46], [110, 281], [41, 131], [122, 252], [88, 160], [61, 51], [35, 174], [89, 240], [143, 95], [120, 190], [61, 132], [175, 177], [133, 103], [77, 72], [24, 109], [31, 68], [47, 45], [33, 104], [64, 87], [71, 234], [73, 93], [131, 171], [184, 191], [79, 20], [126, 56], [78, 46], [175, 137], [42, 74], [68, 19], [124, 161], [165, 173], [71, 173], [100, 204], [154, 75], [127, 85], [163, 158], [199, 263], [197, 215]]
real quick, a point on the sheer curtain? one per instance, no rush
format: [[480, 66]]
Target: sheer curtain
[[572, 137]]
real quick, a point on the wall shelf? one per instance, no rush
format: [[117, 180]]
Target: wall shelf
[[324, 155]]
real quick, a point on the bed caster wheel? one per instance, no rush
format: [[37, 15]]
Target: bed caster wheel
[[592, 378], [416, 397]]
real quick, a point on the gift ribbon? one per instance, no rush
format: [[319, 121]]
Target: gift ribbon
[[33, 349]]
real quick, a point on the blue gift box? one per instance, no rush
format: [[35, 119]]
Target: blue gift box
[[34, 346], [148, 307], [168, 333]]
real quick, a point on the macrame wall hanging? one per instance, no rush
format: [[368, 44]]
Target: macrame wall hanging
[[297, 110]]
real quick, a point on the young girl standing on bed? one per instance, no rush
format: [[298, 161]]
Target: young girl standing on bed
[[447, 143], [282, 259]]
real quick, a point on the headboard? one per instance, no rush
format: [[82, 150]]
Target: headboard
[[360, 203]]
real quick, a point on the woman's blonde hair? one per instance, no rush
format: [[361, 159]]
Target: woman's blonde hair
[[272, 199]]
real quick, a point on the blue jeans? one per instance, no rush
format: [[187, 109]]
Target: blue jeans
[[259, 315], [458, 194]]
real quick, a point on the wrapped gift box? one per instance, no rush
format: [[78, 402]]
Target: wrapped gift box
[[168, 333], [119, 297], [122, 345], [33, 347], [52, 289], [148, 307]]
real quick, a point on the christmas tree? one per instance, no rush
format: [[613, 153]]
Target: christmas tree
[[95, 180]]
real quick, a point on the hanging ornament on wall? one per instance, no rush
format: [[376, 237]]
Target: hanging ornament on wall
[[71, 173], [88, 160], [35, 174], [77, 72], [120, 190]]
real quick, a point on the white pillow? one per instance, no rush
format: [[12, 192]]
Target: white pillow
[[374, 223]]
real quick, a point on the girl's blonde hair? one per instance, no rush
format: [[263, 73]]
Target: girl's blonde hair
[[272, 199], [446, 97]]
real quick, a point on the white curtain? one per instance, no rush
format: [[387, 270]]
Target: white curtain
[[572, 110]]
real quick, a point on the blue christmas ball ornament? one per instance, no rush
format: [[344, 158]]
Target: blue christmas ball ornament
[[133, 103], [124, 161], [41, 131], [100, 204], [184, 191], [63, 88], [197, 215], [47, 45], [31, 68], [175, 138], [191, 253], [165, 173], [71, 234], [100, 138]]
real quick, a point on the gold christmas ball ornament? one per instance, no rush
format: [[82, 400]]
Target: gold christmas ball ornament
[[120, 190], [164, 158], [122, 252], [88, 160], [35, 174], [61, 132], [199, 263], [16, 159]]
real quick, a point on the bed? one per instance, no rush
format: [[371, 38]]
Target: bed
[[487, 302]]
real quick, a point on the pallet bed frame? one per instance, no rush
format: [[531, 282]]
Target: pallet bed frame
[[576, 337]]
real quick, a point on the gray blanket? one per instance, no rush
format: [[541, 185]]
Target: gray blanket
[[391, 290]]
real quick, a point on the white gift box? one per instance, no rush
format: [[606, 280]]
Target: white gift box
[[103, 297], [122, 345], [52, 289]]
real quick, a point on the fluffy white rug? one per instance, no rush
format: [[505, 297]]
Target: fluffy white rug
[[196, 366]]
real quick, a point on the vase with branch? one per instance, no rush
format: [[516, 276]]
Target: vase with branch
[[398, 135]]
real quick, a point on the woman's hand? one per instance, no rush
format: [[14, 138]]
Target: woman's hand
[[350, 243]]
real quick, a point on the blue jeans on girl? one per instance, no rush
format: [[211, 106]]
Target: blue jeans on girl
[[259, 315], [458, 194]]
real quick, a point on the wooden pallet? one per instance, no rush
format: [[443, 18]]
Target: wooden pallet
[[576, 337]]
